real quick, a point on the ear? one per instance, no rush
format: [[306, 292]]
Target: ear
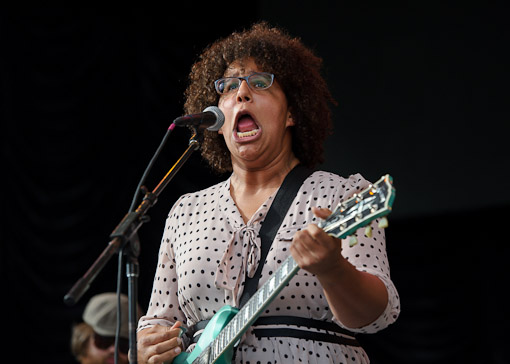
[[290, 120]]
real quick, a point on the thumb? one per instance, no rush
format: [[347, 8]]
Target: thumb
[[176, 325]]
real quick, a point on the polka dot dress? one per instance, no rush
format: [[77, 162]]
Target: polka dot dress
[[207, 251]]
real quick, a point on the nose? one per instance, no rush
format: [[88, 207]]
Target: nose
[[243, 92]]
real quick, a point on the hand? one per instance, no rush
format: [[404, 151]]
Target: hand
[[356, 298], [314, 250], [159, 344]]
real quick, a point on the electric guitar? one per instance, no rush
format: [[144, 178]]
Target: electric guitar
[[222, 333]]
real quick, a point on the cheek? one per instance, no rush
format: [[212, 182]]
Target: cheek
[[229, 116], [226, 102]]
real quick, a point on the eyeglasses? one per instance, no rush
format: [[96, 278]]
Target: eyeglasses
[[104, 342], [256, 81]]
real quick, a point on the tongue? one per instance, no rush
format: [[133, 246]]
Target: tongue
[[245, 124]]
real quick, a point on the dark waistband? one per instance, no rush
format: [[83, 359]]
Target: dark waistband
[[307, 335], [347, 337]]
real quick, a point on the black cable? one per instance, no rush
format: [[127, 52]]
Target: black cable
[[119, 311], [149, 167], [121, 250]]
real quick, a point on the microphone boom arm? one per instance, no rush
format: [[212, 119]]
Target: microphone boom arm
[[129, 225]]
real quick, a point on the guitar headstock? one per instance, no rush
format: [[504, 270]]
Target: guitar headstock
[[361, 209]]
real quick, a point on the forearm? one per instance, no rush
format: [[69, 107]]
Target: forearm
[[356, 298]]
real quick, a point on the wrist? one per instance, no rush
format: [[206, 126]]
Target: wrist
[[342, 270]]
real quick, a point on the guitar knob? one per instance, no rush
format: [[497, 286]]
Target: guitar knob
[[383, 223]]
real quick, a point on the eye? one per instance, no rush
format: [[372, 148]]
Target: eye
[[230, 84], [261, 81]]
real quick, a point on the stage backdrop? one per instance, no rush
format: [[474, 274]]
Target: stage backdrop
[[87, 96]]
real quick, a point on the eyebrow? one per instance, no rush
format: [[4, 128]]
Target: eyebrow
[[237, 74]]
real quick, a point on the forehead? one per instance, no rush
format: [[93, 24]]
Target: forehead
[[242, 68]]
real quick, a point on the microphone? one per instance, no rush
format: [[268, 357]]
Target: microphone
[[211, 118]]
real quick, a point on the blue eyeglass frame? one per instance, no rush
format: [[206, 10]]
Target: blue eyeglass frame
[[245, 78]]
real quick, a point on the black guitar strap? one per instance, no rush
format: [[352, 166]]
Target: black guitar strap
[[272, 222]]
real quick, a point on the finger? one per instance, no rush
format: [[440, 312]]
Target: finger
[[166, 357], [320, 245], [176, 325], [147, 340], [297, 254], [154, 335], [315, 232], [302, 248], [165, 351], [321, 212], [158, 343], [176, 330], [182, 329]]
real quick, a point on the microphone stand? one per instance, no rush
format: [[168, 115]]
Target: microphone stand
[[125, 238]]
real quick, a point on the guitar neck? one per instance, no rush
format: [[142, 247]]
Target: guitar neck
[[253, 308]]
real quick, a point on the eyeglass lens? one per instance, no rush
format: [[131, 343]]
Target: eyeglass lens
[[256, 81]]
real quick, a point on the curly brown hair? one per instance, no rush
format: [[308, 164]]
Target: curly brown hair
[[296, 69]]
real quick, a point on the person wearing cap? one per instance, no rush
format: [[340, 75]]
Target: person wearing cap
[[93, 340]]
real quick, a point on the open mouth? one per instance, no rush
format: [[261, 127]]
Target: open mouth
[[246, 126]]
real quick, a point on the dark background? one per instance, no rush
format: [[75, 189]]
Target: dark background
[[87, 96]]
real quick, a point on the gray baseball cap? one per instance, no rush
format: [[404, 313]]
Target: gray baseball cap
[[101, 314]]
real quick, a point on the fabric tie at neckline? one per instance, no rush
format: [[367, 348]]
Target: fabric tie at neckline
[[241, 257]]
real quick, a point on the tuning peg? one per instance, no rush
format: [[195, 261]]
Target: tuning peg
[[353, 240], [368, 231], [383, 223]]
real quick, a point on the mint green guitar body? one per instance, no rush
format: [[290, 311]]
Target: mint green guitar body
[[213, 328]]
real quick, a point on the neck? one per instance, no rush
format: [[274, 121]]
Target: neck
[[250, 187], [271, 176]]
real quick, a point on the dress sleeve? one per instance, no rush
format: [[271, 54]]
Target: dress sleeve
[[369, 255], [164, 308]]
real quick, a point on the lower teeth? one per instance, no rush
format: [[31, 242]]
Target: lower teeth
[[247, 133]]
